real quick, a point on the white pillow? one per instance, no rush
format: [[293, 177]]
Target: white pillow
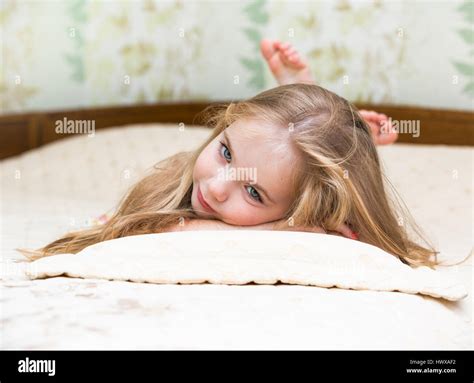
[[244, 256]]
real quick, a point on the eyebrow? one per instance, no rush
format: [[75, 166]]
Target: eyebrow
[[257, 186]]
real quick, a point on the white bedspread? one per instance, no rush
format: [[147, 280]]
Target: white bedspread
[[58, 188]]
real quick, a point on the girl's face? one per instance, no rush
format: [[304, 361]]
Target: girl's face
[[241, 176]]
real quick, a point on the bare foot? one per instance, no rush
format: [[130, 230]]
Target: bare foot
[[382, 132], [285, 63]]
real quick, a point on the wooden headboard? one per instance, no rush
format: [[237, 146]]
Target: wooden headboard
[[22, 132]]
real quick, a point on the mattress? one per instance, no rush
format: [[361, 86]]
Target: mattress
[[63, 186]]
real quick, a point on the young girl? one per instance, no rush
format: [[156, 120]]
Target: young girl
[[313, 166]]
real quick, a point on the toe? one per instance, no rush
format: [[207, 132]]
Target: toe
[[284, 58], [267, 49], [299, 63], [289, 52], [296, 61]]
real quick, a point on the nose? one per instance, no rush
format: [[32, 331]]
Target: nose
[[218, 189]]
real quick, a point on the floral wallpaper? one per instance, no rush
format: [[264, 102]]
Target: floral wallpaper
[[80, 53], [466, 68]]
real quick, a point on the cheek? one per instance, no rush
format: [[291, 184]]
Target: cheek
[[205, 164]]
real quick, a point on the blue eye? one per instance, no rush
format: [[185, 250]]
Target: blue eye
[[255, 195], [228, 159]]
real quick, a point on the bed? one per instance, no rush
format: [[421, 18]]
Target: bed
[[66, 184]]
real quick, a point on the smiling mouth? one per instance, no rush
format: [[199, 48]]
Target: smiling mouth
[[203, 202]]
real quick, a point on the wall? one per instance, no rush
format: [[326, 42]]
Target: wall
[[63, 55]]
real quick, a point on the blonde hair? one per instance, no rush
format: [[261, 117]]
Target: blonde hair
[[340, 181]]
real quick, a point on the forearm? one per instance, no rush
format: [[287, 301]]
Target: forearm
[[211, 224], [204, 224]]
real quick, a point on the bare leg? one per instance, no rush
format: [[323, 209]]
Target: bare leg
[[289, 67]]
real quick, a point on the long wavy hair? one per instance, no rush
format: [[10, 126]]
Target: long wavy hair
[[340, 181]]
